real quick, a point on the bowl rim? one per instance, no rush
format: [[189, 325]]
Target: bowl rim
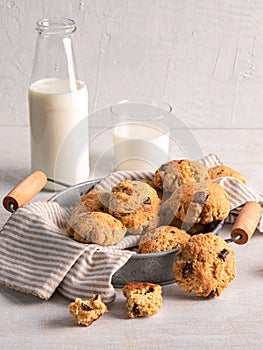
[[155, 254]]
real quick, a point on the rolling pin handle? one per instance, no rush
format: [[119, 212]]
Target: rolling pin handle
[[25, 191], [246, 222]]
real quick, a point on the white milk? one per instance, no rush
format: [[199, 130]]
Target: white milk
[[140, 145], [59, 130]]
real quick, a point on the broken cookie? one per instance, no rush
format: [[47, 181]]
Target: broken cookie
[[85, 312], [142, 298]]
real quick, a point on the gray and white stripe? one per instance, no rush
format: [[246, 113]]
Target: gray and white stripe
[[37, 257]]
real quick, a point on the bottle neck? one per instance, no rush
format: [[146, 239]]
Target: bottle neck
[[55, 27], [55, 55]]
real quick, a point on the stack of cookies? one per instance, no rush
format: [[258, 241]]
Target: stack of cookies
[[104, 217], [181, 198]]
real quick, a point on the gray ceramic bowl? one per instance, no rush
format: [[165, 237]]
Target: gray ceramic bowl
[[153, 267]]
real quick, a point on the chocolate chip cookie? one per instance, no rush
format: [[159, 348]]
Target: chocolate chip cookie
[[192, 203], [135, 204], [194, 229], [157, 189], [85, 312], [142, 298], [173, 174], [95, 227], [92, 201], [162, 238], [95, 200], [206, 265], [222, 170]]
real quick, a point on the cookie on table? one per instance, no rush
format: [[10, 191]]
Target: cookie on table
[[193, 203], [142, 298], [206, 265], [135, 204], [173, 174], [85, 312], [95, 227], [222, 170], [162, 238]]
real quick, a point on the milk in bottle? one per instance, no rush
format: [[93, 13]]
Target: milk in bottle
[[58, 105]]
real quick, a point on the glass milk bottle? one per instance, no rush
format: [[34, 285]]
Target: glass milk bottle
[[58, 105]]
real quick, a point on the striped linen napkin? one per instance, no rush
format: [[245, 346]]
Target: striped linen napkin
[[37, 257]]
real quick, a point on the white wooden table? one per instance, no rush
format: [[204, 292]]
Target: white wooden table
[[232, 321]]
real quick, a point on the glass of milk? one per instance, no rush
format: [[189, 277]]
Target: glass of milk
[[58, 105], [141, 134]]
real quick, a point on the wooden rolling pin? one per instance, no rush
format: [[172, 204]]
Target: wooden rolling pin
[[24, 191], [246, 222]]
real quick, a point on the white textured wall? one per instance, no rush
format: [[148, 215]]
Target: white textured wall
[[203, 56]]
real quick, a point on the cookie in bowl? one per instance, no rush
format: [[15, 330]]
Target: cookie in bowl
[[95, 200], [221, 170], [206, 265], [95, 227], [204, 202], [161, 239], [92, 201], [175, 173], [135, 204], [191, 229], [194, 229], [152, 184]]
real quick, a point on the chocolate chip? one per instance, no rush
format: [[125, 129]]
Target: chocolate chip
[[220, 172], [150, 290], [199, 197], [223, 254], [212, 294], [95, 297], [136, 310], [126, 190], [188, 268], [86, 307], [180, 161], [147, 201]]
